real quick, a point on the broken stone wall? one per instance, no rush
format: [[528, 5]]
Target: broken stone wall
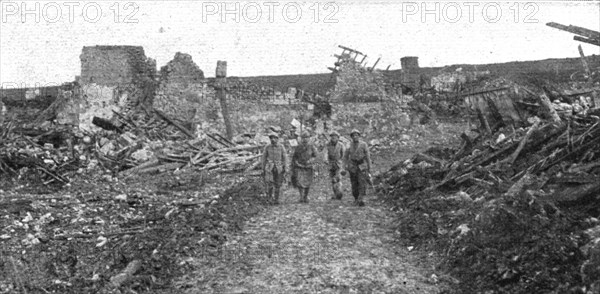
[[375, 120], [455, 81], [248, 89], [182, 89], [125, 67], [354, 83], [83, 103], [112, 78], [247, 116], [185, 95], [116, 66]]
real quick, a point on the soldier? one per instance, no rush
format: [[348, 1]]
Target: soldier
[[335, 154], [274, 160], [358, 165], [302, 166]]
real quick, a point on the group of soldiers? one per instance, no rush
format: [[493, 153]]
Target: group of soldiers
[[354, 161]]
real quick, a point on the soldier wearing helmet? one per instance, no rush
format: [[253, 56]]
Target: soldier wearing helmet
[[274, 160], [358, 165], [335, 154], [302, 166]]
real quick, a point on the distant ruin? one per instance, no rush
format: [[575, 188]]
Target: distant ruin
[[117, 79]]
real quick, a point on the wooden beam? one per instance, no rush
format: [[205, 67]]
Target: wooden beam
[[589, 41], [376, 62], [576, 30], [364, 57], [479, 92], [171, 122], [350, 49]]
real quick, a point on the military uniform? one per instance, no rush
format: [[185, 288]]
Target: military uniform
[[335, 154], [274, 162], [358, 164], [302, 164]]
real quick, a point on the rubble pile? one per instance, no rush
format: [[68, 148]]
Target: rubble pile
[[34, 155], [511, 211], [105, 235], [135, 144], [355, 83]]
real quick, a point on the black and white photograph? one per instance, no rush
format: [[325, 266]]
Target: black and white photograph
[[275, 147]]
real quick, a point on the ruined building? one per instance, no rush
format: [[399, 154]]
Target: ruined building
[[112, 78], [356, 83], [125, 67], [181, 89]]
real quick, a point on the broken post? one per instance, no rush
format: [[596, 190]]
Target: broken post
[[514, 156], [363, 59], [550, 111], [584, 63], [374, 65], [221, 75]]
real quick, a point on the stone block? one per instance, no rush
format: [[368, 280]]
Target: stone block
[[221, 70]]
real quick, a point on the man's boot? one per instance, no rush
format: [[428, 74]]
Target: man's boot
[[359, 200], [337, 193], [269, 194], [276, 196], [306, 195]]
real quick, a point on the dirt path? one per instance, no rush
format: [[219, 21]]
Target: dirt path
[[325, 246]]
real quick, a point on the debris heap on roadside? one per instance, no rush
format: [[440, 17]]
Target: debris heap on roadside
[[515, 208]]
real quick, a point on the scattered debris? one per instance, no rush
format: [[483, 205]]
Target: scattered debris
[[520, 204]]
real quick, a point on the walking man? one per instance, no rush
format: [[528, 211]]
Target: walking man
[[302, 166], [358, 165], [335, 154], [274, 160]]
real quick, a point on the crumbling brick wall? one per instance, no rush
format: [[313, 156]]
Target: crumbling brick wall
[[354, 83], [182, 92], [112, 78], [125, 67], [248, 90]]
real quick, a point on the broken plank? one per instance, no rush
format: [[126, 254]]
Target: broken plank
[[578, 195], [141, 166], [235, 160], [231, 144], [514, 156], [161, 168], [585, 167], [430, 159], [195, 160], [548, 109], [171, 122], [216, 139]]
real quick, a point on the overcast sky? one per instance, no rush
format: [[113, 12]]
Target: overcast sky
[[43, 45]]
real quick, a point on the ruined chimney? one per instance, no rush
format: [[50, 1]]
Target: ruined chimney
[[409, 63]]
